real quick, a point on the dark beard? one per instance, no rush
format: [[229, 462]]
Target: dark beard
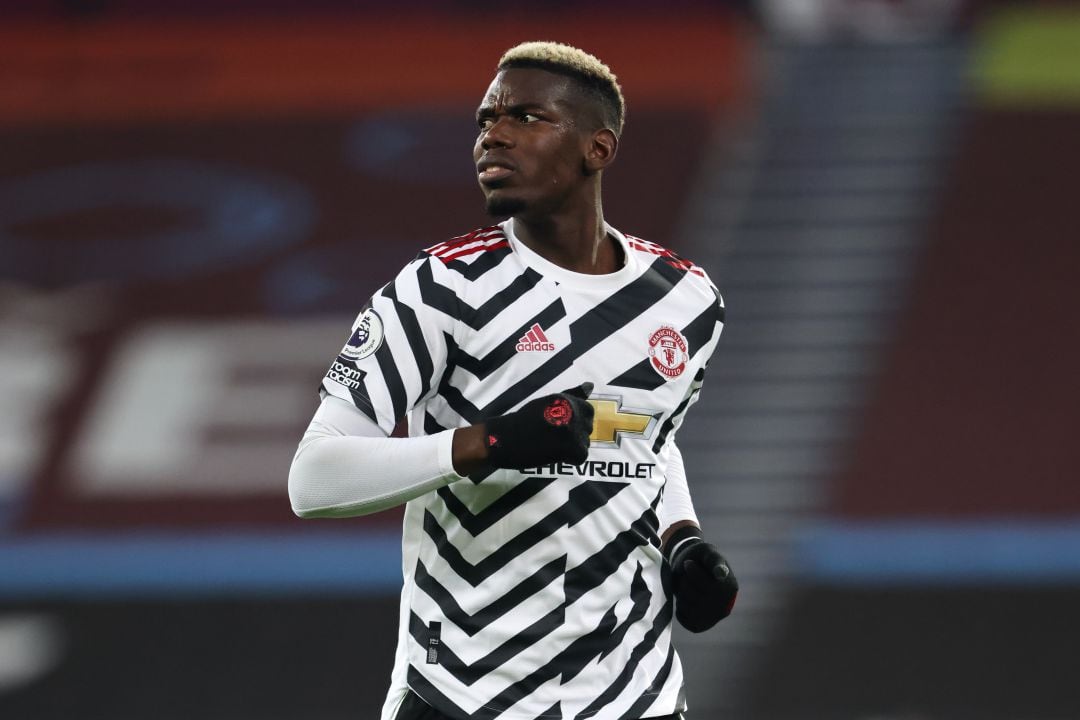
[[504, 207]]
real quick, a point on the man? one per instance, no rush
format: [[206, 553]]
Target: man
[[545, 365]]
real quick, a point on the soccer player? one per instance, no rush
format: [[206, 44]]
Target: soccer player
[[545, 365]]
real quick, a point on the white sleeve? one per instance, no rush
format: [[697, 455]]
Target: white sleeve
[[346, 465], [677, 504]]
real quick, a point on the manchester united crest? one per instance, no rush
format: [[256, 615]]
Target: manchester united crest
[[667, 352]]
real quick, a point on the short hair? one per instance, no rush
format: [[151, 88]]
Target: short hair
[[591, 74]]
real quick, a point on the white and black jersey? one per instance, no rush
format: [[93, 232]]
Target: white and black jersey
[[536, 594]]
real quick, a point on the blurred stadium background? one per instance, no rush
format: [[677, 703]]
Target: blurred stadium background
[[196, 198]]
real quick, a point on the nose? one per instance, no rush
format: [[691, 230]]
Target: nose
[[496, 135]]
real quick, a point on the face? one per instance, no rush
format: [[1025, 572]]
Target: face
[[530, 151]]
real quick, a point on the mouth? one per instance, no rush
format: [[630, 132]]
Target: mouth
[[493, 171]]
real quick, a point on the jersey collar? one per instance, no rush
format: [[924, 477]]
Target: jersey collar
[[559, 274]]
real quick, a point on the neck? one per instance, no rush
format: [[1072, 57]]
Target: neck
[[577, 241]]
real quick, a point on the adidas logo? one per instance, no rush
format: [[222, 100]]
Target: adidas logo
[[535, 341]]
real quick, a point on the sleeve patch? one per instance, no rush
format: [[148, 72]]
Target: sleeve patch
[[367, 337]]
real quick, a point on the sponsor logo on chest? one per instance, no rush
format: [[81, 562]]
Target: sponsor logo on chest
[[534, 341]]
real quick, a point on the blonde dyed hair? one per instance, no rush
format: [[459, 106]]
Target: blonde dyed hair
[[591, 74]]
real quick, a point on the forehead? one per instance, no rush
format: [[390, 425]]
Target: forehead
[[529, 86]]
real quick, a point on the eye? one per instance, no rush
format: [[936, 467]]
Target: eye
[[528, 118], [484, 123]]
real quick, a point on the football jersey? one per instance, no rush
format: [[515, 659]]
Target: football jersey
[[541, 593]]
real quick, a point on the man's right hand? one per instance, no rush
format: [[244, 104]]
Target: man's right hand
[[549, 429]]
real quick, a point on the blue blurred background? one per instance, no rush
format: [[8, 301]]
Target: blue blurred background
[[197, 197]]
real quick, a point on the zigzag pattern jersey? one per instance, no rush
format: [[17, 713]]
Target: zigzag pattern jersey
[[536, 594]]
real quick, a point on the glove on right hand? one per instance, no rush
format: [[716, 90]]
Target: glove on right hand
[[554, 428]]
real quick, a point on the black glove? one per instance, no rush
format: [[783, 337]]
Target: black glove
[[554, 428], [704, 586]]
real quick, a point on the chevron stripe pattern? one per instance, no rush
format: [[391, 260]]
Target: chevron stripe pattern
[[536, 594]]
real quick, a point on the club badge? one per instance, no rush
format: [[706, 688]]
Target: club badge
[[367, 337], [558, 413], [667, 352]]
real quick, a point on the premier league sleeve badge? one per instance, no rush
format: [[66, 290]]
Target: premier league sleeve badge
[[367, 337]]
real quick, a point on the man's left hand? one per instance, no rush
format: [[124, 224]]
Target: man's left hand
[[705, 587]]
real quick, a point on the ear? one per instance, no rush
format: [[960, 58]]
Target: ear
[[602, 146]]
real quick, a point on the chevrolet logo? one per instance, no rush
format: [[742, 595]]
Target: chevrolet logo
[[612, 422]]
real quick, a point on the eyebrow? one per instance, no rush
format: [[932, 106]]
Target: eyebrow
[[484, 110]]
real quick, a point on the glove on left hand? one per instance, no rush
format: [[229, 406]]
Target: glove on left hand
[[705, 587]]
